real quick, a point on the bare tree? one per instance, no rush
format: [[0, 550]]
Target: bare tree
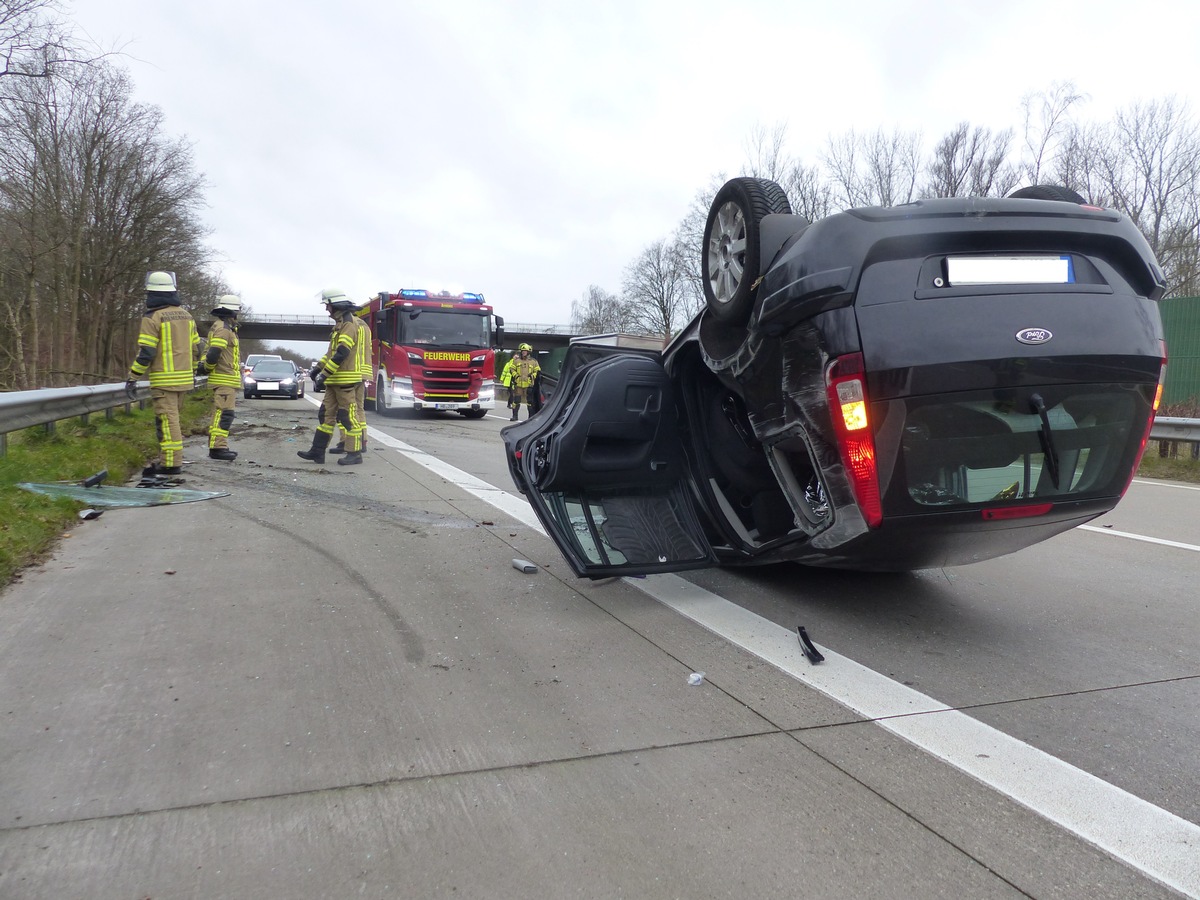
[[656, 290], [971, 163], [876, 169], [1151, 163], [1046, 124], [91, 197], [765, 155], [597, 312], [35, 42]]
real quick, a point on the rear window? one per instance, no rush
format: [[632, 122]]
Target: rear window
[[960, 450]]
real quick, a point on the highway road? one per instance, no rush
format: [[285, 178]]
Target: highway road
[[332, 683], [1086, 647]]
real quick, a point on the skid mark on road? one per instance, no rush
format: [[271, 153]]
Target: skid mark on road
[[1162, 845]]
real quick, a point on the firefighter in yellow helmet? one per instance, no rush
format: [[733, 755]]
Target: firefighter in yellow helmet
[[518, 376], [223, 366], [168, 347], [341, 368]]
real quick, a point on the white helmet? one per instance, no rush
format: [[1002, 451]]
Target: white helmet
[[337, 299], [157, 282], [228, 303]]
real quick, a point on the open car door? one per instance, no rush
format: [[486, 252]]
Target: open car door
[[604, 468]]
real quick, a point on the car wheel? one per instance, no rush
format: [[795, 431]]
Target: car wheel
[[729, 255], [247, 396], [1047, 192], [472, 413]]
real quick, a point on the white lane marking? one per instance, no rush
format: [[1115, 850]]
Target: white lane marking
[[1151, 839], [1170, 484], [1139, 537]]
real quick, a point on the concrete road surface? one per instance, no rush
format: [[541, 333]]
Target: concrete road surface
[[333, 683]]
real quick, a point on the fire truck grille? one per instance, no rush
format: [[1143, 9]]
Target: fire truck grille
[[449, 385]]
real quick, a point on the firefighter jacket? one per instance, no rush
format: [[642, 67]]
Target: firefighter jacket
[[223, 362], [519, 373], [167, 348], [349, 353]]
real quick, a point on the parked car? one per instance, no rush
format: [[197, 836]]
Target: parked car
[[254, 358], [273, 378], [884, 389]]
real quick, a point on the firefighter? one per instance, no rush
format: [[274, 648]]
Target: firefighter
[[168, 347], [360, 394], [223, 366], [518, 377], [341, 369]]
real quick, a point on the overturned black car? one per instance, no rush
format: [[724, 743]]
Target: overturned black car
[[884, 389]]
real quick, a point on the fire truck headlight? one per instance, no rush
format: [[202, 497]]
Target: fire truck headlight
[[478, 360], [487, 391], [402, 390]]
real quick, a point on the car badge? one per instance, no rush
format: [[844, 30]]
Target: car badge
[[1034, 335]]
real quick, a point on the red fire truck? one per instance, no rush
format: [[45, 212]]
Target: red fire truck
[[433, 351]]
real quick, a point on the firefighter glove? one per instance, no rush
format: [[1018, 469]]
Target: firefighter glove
[[319, 381], [131, 390]]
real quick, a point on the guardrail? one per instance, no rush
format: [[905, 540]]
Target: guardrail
[[27, 409]]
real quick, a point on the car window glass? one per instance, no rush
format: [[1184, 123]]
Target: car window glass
[[967, 451]]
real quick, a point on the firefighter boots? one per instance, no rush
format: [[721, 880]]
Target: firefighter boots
[[316, 453], [223, 453], [338, 448], [352, 458]]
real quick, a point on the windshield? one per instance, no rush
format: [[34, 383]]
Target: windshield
[[444, 328], [273, 368]]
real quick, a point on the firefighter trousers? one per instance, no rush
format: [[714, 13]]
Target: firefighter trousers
[[222, 418], [168, 409], [342, 407]]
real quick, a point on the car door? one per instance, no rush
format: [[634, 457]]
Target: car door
[[604, 468]]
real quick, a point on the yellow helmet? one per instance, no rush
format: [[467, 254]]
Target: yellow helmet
[[525, 347]]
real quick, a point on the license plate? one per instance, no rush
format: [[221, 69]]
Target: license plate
[[1009, 270], [443, 406], [269, 385]]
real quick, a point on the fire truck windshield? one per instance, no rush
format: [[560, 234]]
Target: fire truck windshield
[[445, 329]]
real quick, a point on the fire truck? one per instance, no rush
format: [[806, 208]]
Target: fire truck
[[432, 351]]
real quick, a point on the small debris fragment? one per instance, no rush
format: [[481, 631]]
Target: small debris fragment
[[90, 514], [487, 522], [524, 565], [813, 654], [94, 480], [696, 678], [169, 572]]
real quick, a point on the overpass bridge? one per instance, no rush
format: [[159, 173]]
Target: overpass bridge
[[258, 327]]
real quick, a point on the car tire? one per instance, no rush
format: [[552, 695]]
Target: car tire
[[729, 255], [472, 413], [1047, 192], [247, 396]]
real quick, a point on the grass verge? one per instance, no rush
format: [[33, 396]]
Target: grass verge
[[30, 523]]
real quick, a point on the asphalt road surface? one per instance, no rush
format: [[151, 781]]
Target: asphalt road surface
[[334, 683]]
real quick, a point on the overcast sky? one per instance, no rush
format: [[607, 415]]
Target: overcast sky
[[526, 149]]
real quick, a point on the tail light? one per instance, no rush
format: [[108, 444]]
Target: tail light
[[1158, 392], [846, 387]]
